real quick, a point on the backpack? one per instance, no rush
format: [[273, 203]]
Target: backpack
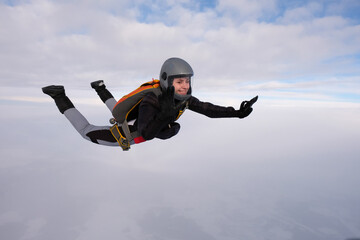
[[127, 109]]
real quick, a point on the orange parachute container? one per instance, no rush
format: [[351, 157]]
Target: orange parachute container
[[127, 109]]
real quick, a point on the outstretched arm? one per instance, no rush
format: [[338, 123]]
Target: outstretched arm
[[215, 111]]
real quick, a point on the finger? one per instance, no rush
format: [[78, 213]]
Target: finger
[[253, 100], [172, 91], [168, 93]]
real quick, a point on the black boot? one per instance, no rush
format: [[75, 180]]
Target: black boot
[[58, 94], [54, 91], [101, 90]]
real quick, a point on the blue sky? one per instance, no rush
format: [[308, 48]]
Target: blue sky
[[348, 9]]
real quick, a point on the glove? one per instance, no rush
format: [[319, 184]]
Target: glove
[[175, 127], [169, 131], [168, 109], [245, 108]]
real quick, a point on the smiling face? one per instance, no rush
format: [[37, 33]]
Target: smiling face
[[181, 85]]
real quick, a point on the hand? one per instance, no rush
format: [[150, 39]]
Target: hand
[[246, 107], [175, 126], [168, 109]]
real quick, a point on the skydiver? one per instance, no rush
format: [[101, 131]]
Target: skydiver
[[157, 115]]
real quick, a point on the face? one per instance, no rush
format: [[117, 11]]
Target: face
[[181, 85]]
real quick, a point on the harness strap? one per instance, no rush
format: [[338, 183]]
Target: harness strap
[[183, 110], [123, 142], [132, 137], [126, 130]]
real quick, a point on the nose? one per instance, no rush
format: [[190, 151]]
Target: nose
[[184, 85]]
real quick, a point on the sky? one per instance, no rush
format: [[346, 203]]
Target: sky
[[285, 172]]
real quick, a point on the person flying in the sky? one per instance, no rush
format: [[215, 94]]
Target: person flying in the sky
[[157, 112]]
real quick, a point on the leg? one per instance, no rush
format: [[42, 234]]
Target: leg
[[104, 94], [96, 134], [58, 94]]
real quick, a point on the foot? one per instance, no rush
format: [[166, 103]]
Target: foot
[[54, 90], [98, 85], [101, 90]]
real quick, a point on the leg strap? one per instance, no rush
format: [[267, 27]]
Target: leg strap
[[123, 142]]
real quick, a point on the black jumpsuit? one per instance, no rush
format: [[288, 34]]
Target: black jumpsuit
[[147, 124]]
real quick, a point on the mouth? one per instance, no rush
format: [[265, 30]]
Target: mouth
[[182, 92]]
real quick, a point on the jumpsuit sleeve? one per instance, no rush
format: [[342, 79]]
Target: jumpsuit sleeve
[[148, 125], [211, 110]]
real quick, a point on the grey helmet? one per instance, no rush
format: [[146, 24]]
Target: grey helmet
[[172, 68]]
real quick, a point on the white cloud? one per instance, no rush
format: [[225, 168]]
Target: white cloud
[[286, 168], [301, 14], [66, 47]]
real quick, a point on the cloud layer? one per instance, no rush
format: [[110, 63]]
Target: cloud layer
[[290, 171]]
